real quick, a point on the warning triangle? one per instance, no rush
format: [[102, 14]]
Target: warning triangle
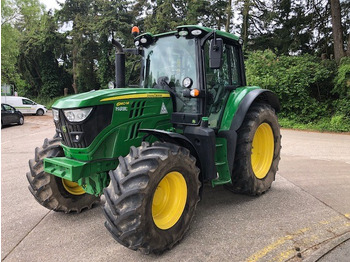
[[163, 109]]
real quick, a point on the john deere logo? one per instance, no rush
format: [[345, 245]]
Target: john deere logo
[[64, 129]]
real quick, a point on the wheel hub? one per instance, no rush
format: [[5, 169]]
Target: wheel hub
[[169, 200], [72, 187], [262, 150]]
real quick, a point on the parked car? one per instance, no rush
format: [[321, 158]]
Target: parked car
[[25, 105], [9, 115]]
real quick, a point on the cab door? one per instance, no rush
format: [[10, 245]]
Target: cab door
[[220, 82]]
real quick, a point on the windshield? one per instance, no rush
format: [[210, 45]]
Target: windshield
[[167, 62]]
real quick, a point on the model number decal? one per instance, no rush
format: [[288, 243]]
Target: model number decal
[[121, 108]]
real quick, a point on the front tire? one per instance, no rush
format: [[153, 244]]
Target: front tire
[[21, 120], [258, 151], [152, 197], [40, 112], [53, 192]]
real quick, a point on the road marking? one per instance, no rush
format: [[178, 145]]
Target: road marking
[[263, 252], [315, 235]]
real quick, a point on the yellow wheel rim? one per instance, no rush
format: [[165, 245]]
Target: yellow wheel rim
[[72, 187], [262, 150], [169, 200]]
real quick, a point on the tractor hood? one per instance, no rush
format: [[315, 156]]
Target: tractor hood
[[106, 96]]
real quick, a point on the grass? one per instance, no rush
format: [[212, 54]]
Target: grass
[[337, 123]]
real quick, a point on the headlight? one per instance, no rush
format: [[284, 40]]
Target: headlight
[[77, 115], [55, 114]]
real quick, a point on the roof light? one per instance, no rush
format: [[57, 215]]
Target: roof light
[[135, 31], [183, 33], [143, 40], [196, 32]]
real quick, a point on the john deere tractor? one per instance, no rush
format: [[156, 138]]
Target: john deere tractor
[[149, 149]]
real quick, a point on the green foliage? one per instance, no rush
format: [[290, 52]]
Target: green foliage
[[303, 83], [47, 102], [342, 79]]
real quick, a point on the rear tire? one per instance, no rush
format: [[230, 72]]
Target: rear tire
[[40, 112], [152, 197], [51, 191], [258, 151]]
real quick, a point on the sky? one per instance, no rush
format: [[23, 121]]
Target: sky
[[51, 4]]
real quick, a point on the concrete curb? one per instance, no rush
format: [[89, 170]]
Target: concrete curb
[[328, 247]]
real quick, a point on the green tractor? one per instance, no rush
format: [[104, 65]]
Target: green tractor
[[149, 149]]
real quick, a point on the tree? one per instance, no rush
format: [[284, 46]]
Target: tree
[[337, 30]]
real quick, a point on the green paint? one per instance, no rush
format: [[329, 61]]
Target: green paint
[[93, 98], [232, 105], [94, 161], [221, 163]]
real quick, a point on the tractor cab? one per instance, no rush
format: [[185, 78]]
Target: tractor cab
[[197, 66]]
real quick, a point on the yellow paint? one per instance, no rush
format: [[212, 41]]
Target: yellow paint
[[72, 187], [283, 256], [262, 150], [305, 241], [263, 252], [169, 200], [134, 96]]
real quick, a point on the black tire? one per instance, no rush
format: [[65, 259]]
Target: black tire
[[244, 178], [40, 112], [129, 196], [21, 120], [48, 189]]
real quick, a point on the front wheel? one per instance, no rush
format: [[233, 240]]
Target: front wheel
[[40, 112], [258, 151], [21, 120], [152, 197], [54, 192]]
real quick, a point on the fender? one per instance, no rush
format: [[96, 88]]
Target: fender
[[178, 139], [262, 95]]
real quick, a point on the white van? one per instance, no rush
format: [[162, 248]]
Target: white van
[[24, 105]]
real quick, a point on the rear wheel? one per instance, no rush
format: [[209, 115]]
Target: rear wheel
[[258, 151], [152, 197], [54, 192]]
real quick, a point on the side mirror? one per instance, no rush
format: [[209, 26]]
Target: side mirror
[[215, 53]]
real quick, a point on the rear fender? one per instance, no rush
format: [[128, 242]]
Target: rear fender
[[257, 95], [254, 96]]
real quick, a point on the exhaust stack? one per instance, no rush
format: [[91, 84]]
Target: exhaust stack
[[119, 65]]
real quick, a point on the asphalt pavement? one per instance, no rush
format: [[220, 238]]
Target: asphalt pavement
[[305, 215]]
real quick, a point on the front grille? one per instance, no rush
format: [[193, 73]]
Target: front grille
[[86, 131]]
